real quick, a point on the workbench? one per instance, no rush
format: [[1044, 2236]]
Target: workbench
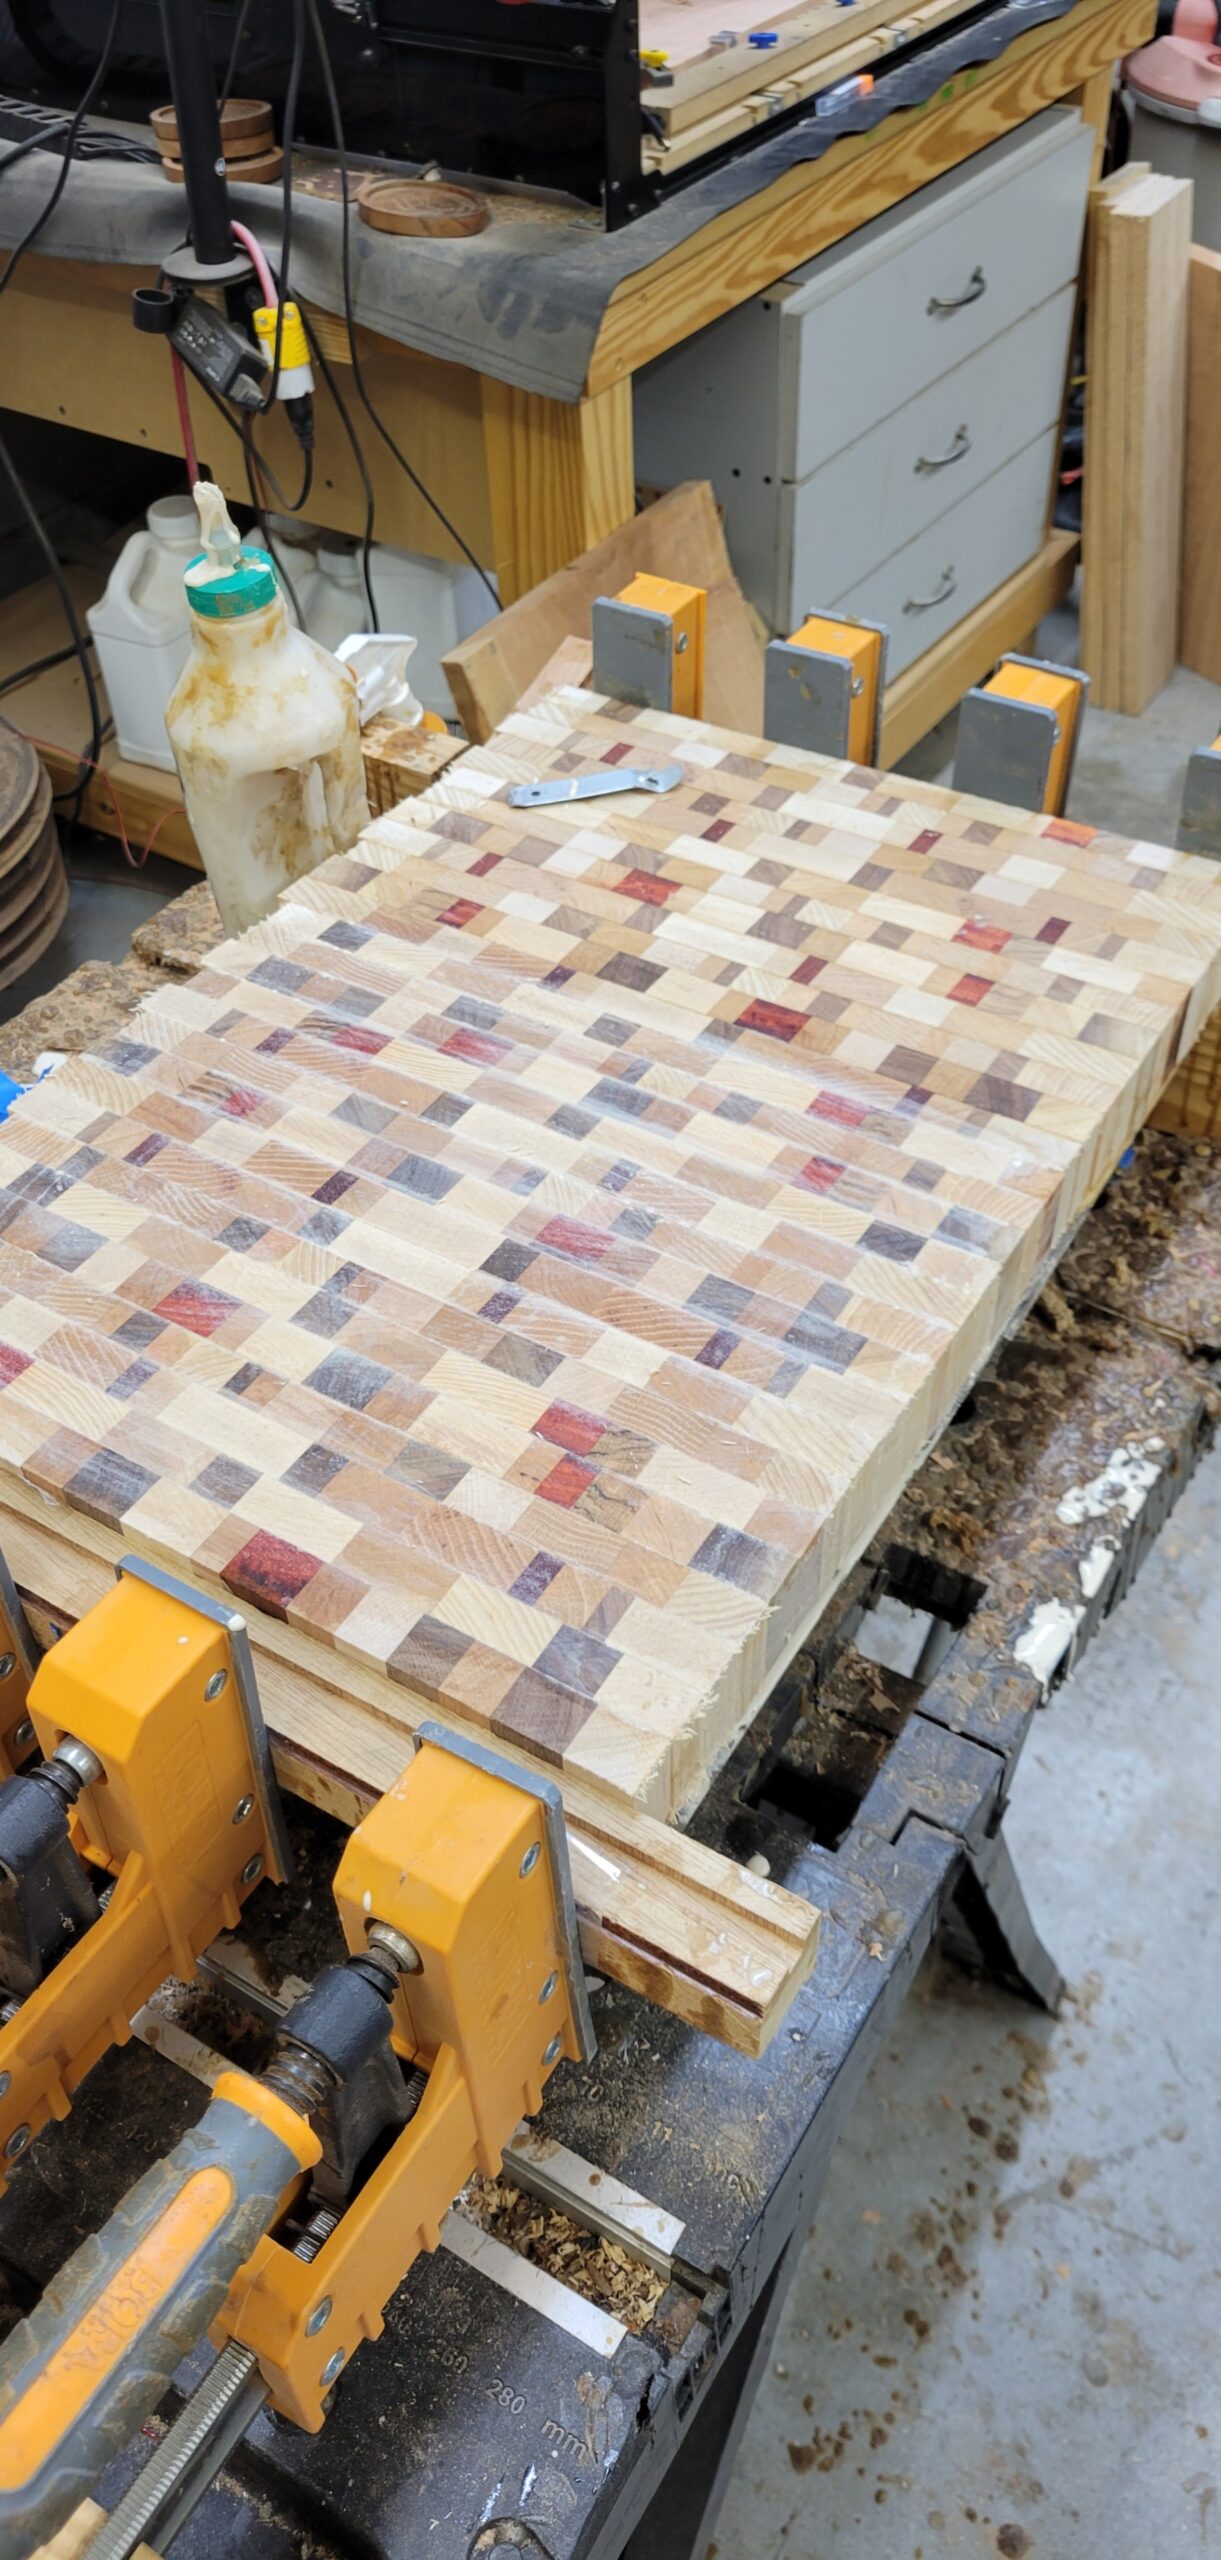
[[497, 2412], [532, 479]]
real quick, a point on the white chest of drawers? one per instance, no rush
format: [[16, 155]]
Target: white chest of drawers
[[855, 415]]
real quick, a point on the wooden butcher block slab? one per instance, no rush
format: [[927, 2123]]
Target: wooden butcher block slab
[[530, 1264]]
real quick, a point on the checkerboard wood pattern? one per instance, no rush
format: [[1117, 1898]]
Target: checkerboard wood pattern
[[531, 1262]]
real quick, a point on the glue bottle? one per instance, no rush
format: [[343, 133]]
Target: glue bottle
[[263, 723]]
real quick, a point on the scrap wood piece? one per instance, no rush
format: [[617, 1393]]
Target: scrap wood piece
[[717, 1945], [181, 934], [678, 537], [524, 1269], [1136, 372], [79, 1013], [571, 664]]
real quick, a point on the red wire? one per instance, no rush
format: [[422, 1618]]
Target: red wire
[[50, 746], [184, 416]]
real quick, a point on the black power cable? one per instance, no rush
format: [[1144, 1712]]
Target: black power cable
[[288, 125], [20, 492], [234, 50], [36, 141], [325, 369], [37, 667], [79, 643], [341, 154], [41, 219]]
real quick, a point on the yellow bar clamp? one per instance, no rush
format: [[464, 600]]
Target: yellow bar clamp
[[155, 1684], [649, 645]]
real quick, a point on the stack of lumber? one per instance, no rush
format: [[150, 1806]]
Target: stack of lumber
[[1136, 377], [524, 1271]]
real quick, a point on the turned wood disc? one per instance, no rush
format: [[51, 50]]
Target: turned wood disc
[[17, 840], [21, 782], [259, 171], [240, 120], [426, 210]]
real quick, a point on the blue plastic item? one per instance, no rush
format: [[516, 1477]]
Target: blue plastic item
[[9, 1094]]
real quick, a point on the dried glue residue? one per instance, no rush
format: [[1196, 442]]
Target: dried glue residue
[[1122, 1486], [594, 1856], [1094, 1568], [1043, 1644]]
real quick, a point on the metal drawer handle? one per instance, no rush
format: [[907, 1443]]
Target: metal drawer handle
[[953, 453], [955, 301], [945, 588]]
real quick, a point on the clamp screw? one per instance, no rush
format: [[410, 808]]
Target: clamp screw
[[551, 2052], [319, 2316], [16, 2142], [23, 1733], [5, 2078], [548, 1988], [77, 1756], [333, 2367], [683, 642], [252, 1868], [243, 1807], [391, 1943], [531, 1859], [213, 1687], [8, 1663]]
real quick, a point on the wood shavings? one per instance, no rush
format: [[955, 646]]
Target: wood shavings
[[596, 2268]]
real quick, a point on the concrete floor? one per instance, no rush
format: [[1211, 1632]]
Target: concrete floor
[[1004, 2334]]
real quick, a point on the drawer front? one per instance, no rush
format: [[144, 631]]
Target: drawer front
[[928, 586], [884, 490], [891, 325]]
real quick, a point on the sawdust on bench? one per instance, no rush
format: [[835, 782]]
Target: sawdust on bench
[[596, 2268]]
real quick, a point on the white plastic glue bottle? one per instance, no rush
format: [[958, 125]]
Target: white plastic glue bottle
[[264, 727]]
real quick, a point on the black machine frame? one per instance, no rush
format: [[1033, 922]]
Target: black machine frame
[[545, 95]]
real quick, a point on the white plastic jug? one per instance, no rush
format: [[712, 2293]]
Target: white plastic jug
[[293, 545], [438, 601], [142, 627], [263, 724], [332, 592]]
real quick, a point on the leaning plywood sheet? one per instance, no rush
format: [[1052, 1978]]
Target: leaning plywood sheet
[[526, 1268]]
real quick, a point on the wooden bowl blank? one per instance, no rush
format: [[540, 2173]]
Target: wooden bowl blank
[[422, 208]]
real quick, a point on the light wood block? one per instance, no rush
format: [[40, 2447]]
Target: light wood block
[[1200, 601], [1191, 1103], [526, 1268], [1136, 372]]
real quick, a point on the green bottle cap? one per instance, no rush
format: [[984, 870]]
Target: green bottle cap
[[243, 589]]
